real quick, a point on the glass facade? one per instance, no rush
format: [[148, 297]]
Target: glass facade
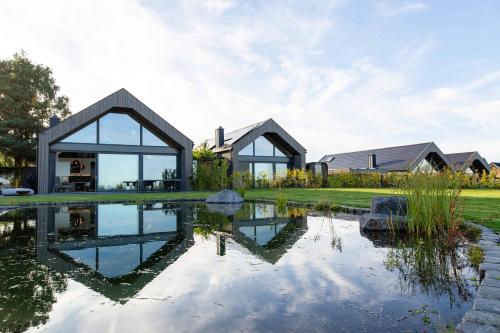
[[149, 139], [159, 167], [248, 150], [88, 134], [263, 171], [281, 169], [118, 172], [263, 147], [119, 129]]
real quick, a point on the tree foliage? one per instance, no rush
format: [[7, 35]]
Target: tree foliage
[[28, 98]]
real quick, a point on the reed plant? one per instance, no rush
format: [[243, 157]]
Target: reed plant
[[434, 203]]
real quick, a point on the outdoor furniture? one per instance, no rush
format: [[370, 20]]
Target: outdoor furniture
[[17, 191], [62, 186], [130, 183], [148, 184], [172, 184]]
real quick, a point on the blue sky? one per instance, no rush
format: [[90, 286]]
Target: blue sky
[[338, 75]]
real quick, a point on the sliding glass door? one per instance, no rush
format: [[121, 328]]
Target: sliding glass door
[[117, 172]]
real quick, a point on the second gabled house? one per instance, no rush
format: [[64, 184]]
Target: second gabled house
[[422, 156], [263, 149], [469, 162]]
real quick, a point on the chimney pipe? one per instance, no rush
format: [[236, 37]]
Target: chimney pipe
[[219, 137], [54, 120], [372, 161]]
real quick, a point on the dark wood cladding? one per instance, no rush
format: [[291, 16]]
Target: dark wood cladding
[[270, 127], [120, 99]]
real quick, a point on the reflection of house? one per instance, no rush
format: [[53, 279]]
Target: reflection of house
[[117, 143], [264, 149], [113, 249], [265, 232], [423, 156], [470, 162]]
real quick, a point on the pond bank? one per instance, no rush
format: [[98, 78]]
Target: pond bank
[[485, 313]]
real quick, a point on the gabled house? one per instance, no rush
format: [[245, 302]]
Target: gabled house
[[422, 156], [468, 162], [495, 168], [263, 149], [116, 144]]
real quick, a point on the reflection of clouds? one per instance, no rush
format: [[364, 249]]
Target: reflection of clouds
[[202, 291]]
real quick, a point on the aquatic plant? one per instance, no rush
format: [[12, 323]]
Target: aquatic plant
[[434, 202], [431, 265], [281, 203], [326, 205], [476, 255]]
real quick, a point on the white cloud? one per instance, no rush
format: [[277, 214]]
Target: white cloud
[[389, 8], [200, 68]]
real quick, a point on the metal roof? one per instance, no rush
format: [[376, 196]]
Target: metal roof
[[231, 137], [462, 161], [495, 164], [399, 158]]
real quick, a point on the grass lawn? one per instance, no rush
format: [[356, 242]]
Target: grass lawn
[[482, 206]]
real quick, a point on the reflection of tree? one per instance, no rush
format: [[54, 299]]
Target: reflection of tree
[[27, 288], [432, 265], [209, 222]]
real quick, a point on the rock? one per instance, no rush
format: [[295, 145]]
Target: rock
[[484, 318], [489, 292], [225, 196], [487, 305], [470, 327], [225, 208], [390, 205], [381, 222]]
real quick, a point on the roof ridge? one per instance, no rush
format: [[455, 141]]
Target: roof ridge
[[366, 150]]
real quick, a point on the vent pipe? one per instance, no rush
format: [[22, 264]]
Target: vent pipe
[[372, 161], [219, 137]]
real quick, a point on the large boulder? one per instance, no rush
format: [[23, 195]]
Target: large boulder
[[381, 222], [390, 205], [225, 197], [225, 208]]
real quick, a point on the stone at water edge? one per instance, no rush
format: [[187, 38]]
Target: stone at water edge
[[390, 205], [227, 209], [225, 196], [381, 222]]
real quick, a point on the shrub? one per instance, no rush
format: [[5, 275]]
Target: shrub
[[476, 255], [434, 203], [211, 175]]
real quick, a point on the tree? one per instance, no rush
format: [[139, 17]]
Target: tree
[[28, 98]]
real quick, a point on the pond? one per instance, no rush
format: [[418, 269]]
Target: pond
[[191, 268]]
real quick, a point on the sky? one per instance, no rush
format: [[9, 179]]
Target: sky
[[337, 75]]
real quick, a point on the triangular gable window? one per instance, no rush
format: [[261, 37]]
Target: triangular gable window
[[248, 150], [150, 139], [88, 134]]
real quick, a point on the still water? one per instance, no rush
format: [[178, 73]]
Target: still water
[[191, 268]]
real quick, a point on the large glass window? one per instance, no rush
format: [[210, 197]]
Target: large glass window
[[88, 134], [149, 139], [281, 169], [120, 129], [263, 171], [118, 172], [278, 152], [159, 167], [248, 150], [244, 167], [263, 147]]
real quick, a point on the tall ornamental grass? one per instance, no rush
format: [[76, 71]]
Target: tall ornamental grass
[[434, 203]]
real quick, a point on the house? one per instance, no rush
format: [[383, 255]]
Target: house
[[495, 168], [468, 162], [264, 149], [116, 144], [422, 156]]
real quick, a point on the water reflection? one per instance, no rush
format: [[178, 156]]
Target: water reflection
[[27, 288], [185, 267], [113, 249], [264, 230]]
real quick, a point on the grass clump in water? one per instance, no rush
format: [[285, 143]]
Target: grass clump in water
[[281, 202], [476, 255], [434, 203], [325, 205]]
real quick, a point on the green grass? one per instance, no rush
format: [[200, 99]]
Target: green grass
[[481, 206]]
